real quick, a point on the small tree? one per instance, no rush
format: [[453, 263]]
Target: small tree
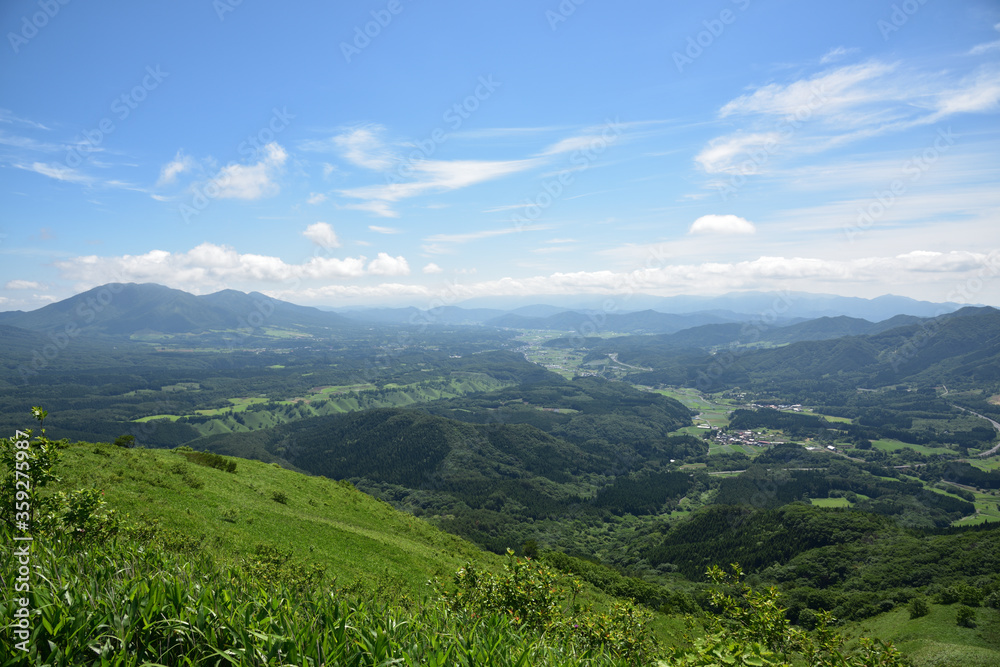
[[127, 441], [752, 629], [26, 465], [919, 608], [966, 616], [530, 549]]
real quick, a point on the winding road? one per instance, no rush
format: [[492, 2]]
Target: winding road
[[996, 425]]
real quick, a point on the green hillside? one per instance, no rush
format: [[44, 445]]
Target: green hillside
[[147, 557], [229, 514]]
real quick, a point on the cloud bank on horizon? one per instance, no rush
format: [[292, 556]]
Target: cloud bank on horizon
[[397, 152]]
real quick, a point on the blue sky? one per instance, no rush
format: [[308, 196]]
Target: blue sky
[[402, 151]]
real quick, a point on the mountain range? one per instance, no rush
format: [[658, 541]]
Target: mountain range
[[122, 310]]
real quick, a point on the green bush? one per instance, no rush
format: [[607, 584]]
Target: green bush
[[210, 460], [919, 608], [751, 629], [966, 616], [539, 598]]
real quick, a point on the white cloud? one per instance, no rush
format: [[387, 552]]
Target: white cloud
[[976, 94], [778, 122], [316, 198], [384, 230], [253, 181], [722, 154], [40, 146], [56, 171], [441, 243], [722, 224], [322, 234], [384, 265], [433, 176], [365, 147], [835, 54], [210, 267], [23, 284], [380, 208], [6, 116], [174, 168], [823, 94], [988, 47], [431, 267], [332, 267], [919, 274], [580, 143]]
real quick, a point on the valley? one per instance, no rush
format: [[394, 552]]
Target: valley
[[852, 471]]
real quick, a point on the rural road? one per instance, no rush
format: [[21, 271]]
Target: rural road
[[996, 425], [614, 358]]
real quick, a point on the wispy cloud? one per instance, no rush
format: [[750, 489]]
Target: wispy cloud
[[433, 176], [724, 154], [444, 243], [365, 146], [835, 54], [362, 145], [23, 284], [170, 171], [838, 106], [57, 171], [8, 116], [988, 47]]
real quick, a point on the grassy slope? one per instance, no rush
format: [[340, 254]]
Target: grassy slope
[[326, 522], [357, 537], [936, 640]]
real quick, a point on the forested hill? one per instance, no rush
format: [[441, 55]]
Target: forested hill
[[120, 309], [492, 462], [960, 349]]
